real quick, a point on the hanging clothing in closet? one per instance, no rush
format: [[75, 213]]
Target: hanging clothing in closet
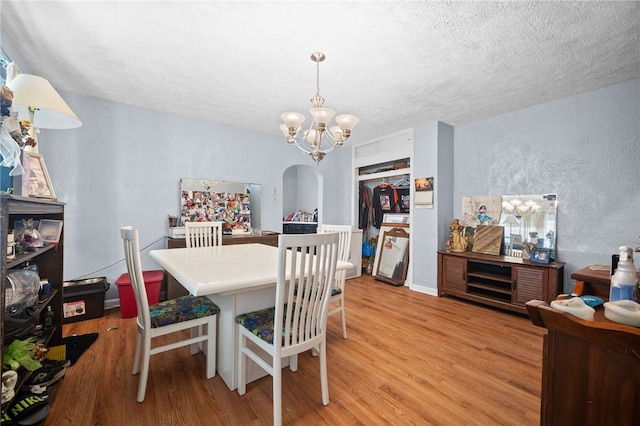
[[364, 217], [404, 203], [385, 200], [403, 189]]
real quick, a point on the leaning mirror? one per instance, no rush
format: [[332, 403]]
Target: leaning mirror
[[235, 203], [529, 220], [394, 257]]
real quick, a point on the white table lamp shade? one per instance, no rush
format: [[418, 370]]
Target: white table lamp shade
[[51, 111]]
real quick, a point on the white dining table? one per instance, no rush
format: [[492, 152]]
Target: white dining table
[[239, 278]]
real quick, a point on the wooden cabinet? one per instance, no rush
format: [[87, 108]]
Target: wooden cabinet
[[175, 289], [590, 369], [593, 281], [49, 260], [499, 281]]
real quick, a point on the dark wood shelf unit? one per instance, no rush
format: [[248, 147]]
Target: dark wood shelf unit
[[50, 266], [498, 281]]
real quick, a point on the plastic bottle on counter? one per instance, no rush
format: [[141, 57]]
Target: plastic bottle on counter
[[624, 279]]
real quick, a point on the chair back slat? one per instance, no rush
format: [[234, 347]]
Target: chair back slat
[[344, 244], [203, 234], [306, 270], [134, 268]]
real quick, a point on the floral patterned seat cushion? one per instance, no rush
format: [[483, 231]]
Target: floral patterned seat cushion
[[181, 309], [260, 323], [336, 290]]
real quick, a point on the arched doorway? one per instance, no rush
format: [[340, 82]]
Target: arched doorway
[[301, 190]]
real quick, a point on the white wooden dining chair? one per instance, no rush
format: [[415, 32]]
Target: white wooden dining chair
[[336, 303], [203, 234], [196, 313], [298, 320]]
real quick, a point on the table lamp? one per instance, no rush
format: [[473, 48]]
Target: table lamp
[[510, 220], [36, 98]]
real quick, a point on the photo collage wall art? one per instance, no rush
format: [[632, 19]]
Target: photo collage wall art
[[203, 206]]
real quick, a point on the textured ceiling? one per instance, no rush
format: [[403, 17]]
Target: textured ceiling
[[393, 64]]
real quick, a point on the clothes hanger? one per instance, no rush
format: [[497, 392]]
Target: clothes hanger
[[402, 182]]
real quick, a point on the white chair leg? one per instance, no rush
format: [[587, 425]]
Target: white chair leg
[[324, 383], [144, 372], [242, 362], [195, 332], [211, 346], [343, 317], [293, 362], [277, 391], [136, 358]]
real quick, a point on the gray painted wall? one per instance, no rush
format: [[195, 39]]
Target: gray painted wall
[[585, 148], [432, 157]]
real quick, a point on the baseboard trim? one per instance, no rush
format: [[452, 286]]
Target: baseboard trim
[[424, 289], [112, 303]]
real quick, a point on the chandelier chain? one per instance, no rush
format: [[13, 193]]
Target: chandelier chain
[[318, 78]]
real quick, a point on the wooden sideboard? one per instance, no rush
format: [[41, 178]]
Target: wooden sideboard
[[592, 281], [590, 369], [175, 289], [500, 281]]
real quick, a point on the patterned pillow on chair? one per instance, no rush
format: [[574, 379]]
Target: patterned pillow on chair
[[181, 309]]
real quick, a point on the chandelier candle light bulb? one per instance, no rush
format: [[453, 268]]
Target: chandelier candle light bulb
[[316, 141]]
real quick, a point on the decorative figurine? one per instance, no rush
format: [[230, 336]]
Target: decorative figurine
[[30, 239], [458, 243]]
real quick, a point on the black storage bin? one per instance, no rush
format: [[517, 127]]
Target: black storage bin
[[84, 299]]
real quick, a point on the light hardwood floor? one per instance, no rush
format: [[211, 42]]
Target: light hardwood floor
[[410, 359]]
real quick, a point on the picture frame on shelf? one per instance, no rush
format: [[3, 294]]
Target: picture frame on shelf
[[38, 180], [540, 255], [50, 230], [516, 241]]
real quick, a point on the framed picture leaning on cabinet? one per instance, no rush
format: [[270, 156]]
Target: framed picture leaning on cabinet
[[38, 180]]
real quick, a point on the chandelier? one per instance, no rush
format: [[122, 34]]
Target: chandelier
[[317, 141], [519, 208]]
